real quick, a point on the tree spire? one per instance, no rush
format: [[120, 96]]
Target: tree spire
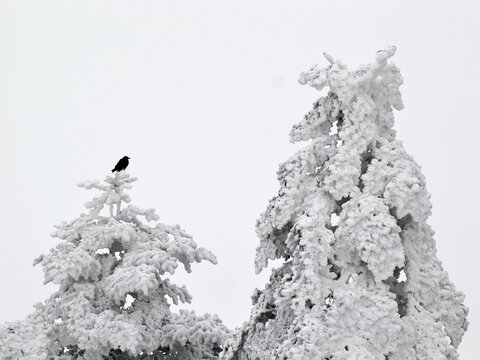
[[360, 277]]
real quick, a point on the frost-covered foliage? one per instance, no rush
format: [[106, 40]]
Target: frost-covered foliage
[[360, 277], [114, 290], [26, 339]]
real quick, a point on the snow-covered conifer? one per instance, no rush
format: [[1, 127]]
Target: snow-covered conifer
[[114, 290], [360, 278]]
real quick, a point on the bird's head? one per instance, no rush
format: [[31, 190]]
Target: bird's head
[[126, 157]]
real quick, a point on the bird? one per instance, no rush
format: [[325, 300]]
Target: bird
[[121, 164]]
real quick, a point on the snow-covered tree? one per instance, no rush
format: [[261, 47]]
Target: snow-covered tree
[[360, 278], [114, 290]]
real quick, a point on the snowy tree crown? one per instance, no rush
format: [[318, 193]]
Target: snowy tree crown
[[351, 155], [114, 283]]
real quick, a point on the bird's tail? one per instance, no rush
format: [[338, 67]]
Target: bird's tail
[[113, 170]]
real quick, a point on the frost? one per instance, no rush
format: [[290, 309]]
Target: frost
[[113, 272], [368, 233], [360, 278]]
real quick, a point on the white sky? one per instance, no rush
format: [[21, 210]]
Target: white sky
[[201, 96]]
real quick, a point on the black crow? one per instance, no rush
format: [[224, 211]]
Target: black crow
[[121, 164]]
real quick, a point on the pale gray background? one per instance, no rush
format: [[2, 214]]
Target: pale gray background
[[201, 95]]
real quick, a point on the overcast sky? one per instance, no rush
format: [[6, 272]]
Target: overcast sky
[[202, 98]]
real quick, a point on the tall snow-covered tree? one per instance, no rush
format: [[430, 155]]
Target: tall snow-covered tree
[[360, 278], [113, 301]]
